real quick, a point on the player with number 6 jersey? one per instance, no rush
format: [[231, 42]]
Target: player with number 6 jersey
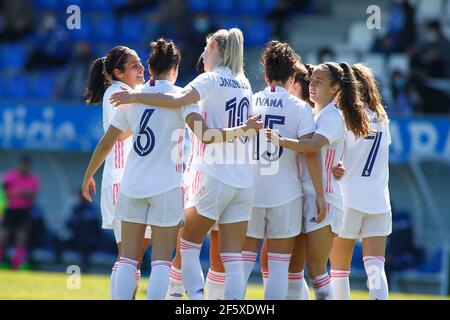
[[120, 68], [223, 180]]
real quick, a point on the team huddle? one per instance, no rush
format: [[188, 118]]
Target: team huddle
[[295, 173]]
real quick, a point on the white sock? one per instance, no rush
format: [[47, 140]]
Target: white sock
[[215, 285], [159, 280], [249, 259], [277, 284], [265, 277], [234, 280], [377, 281], [340, 284], [113, 280], [138, 278], [297, 288], [322, 287], [176, 288], [125, 279], [191, 269]]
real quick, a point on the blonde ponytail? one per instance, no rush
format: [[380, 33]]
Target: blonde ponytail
[[231, 47]]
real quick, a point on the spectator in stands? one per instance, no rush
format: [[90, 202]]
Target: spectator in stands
[[135, 7], [434, 52], [325, 54], [53, 46], [21, 188], [2, 202], [73, 79], [401, 252], [401, 32], [16, 20], [85, 228], [282, 12], [430, 100], [401, 100]]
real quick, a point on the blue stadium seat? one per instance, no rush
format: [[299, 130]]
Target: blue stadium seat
[[104, 28], [81, 3], [99, 49], [433, 265], [268, 5], [42, 85], [14, 56], [85, 33], [253, 7], [98, 5], [228, 22], [257, 32], [130, 28], [199, 5], [357, 260], [48, 4], [221, 7], [16, 86], [150, 30]]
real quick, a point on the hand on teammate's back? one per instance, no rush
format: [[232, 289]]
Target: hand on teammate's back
[[254, 123], [339, 171], [122, 97]]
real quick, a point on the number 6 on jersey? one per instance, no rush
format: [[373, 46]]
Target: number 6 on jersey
[[145, 135]]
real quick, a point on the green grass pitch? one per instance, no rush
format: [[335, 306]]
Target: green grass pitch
[[27, 285]]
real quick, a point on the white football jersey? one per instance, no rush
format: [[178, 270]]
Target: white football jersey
[[330, 124], [303, 172], [225, 102], [275, 171], [366, 160], [155, 163], [116, 160]]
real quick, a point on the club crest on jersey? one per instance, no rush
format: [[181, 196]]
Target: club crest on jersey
[[265, 102]]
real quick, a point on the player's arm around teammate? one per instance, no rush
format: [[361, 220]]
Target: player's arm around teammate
[[277, 213], [121, 67], [330, 82]]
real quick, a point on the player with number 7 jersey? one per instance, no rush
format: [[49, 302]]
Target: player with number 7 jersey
[[367, 210]]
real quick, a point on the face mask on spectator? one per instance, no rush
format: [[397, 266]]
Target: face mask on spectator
[[431, 36], [400, 83]]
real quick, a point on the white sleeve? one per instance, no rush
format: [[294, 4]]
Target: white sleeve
[[119, 119], [250, 106], [187, 110], [329, 126], [306, 124], [203, 84], [388, 132], [108, 112]]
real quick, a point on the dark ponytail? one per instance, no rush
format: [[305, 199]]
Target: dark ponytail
[[102, 73], [164, 56], [349, 99], [303, 75]]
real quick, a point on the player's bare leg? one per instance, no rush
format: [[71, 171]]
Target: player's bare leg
[[318, 247], [298, 288]]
